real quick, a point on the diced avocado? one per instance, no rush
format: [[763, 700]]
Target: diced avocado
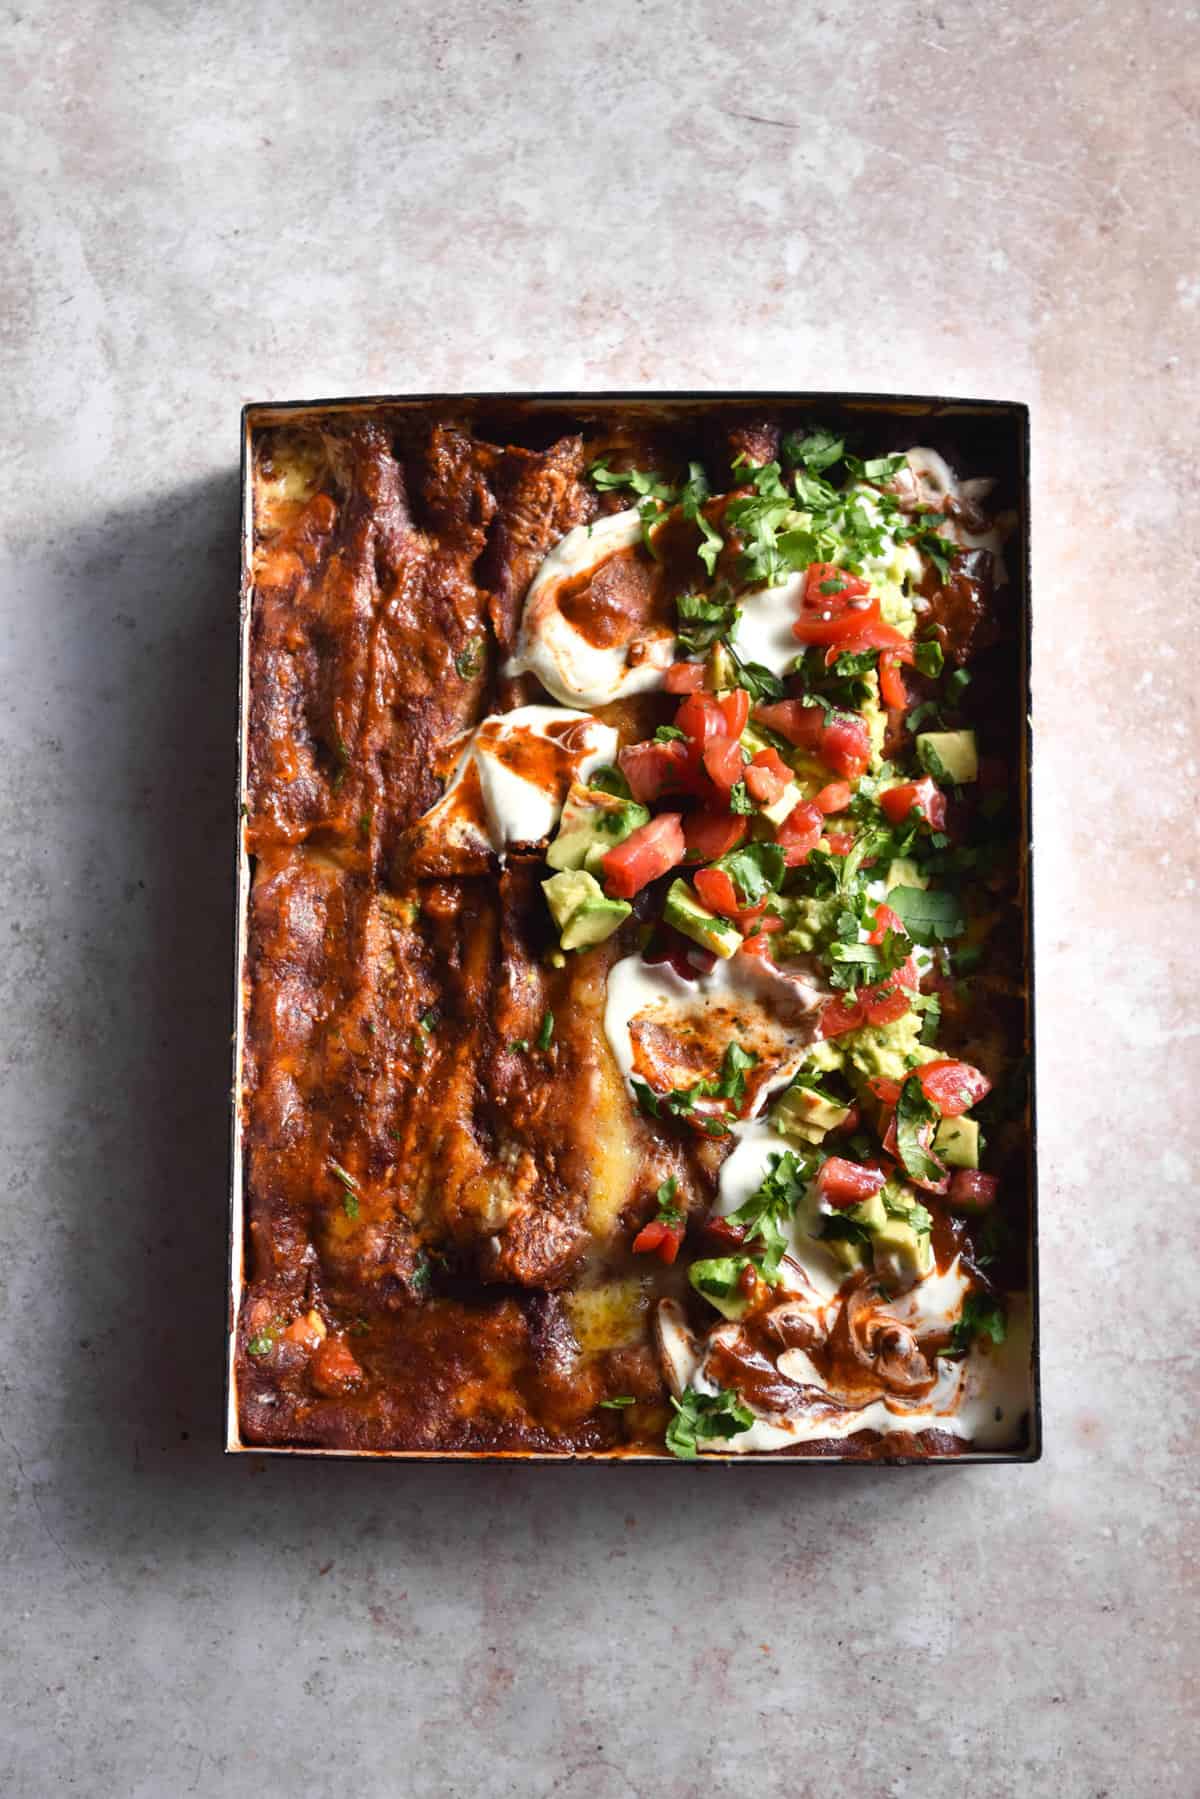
[[808, 1115], [594, 921], [844, 1251], [720, 670], [787, 802], [903, 872], [957, 1141], [870, 1213], [581, 909], [952, 752], [717, 1279], [592, 820], [684, 912], [902, 1255]]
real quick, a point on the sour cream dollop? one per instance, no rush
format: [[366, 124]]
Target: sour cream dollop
[[571, 663]]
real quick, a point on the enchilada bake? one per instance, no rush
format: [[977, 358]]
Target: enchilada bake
[[635, 1015]]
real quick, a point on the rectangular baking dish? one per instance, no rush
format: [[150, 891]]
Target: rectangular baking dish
[[1001, 429]]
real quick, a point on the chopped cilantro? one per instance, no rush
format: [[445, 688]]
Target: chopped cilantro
[[982, 1316], [772, 1204], [916, 1117], [929, 916], [261, 1343], [929, 657], [618, 1402], [704, 618], [469, 660], [610, 780], [670, 734], [546, 1034], [818, 450], [668, 1212], [739, 798], [756, 869], [703, 1416]]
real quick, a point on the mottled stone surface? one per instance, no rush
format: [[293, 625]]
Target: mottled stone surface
[[208, 203]]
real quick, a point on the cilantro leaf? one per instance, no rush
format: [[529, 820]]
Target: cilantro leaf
[[929, 657], [756, 869], [668, 1212], [703, 618], [739, 798], [703, 1416], [927, 915], [610, 780], [731, 1083], [772, 1205], [916, 1119], [760, 683], [469, 660], [981, 1316], [819, 450], [670, 734]]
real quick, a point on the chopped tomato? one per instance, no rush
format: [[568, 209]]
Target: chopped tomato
[[828, 575], [719, 1234], [757, 945], [886, 1000], [884, 1004], [953, 1087], [847, 616], [892, 690], [971, 1191], [840, 842], [684, 677], [845, 1183], [840, 1015], [884, 1088], [885, 921], [659, 1239], [845, 746], [799, 723], [700, 717], [653, 769], [834, 798], [923, 796], [867, 631], [723, 762], [718, 892], [800, 832], [767, 777], [849, 1123], [645, 854], [712, 834], [887, 1135], [735, 710]]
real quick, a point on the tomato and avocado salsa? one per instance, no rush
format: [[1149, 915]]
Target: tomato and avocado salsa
[[838, 816]]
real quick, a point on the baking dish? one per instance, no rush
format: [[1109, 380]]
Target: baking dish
[[991, 435]]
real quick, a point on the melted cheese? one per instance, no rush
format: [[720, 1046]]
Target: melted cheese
[[574, 670]]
